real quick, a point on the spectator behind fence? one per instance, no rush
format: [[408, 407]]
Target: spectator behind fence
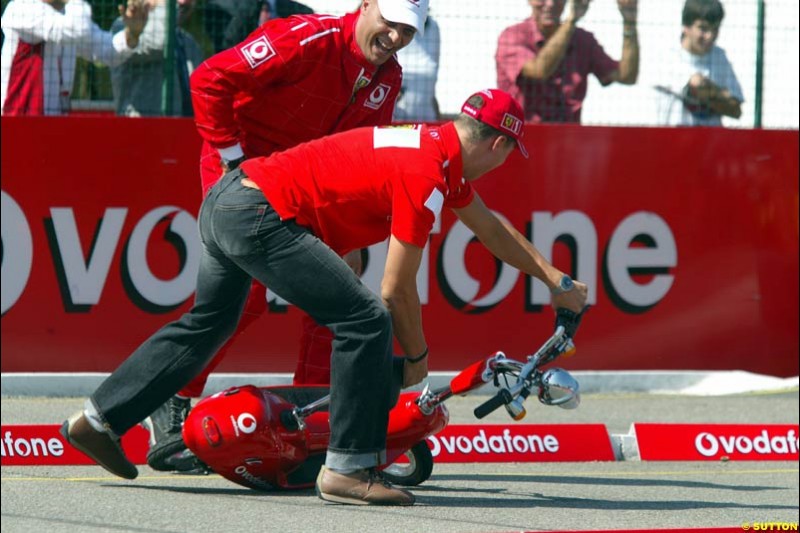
[[43, 38], [229, 22], [544, 62], [420, 62], [696, 83], [138, 82]]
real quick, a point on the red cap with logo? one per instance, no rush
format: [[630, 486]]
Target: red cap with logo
[[499, 110]]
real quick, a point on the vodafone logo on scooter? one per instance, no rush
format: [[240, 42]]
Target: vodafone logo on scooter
[[521, 443], [244, 423]]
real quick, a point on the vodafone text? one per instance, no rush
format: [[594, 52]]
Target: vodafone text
[[709, 445], [36, 447], [502, 444], [641, 242], [242, 471]]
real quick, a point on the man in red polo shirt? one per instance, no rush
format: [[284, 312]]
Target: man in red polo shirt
[[545, 62], [304, 208], [292, 80]]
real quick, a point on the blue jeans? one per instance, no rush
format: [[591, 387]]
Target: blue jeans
[[243, 238]]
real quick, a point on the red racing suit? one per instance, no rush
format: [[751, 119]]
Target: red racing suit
[[292, 80]]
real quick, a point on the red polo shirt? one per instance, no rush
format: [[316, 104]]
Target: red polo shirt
[[292, 80], [356, 188], [560, 97]]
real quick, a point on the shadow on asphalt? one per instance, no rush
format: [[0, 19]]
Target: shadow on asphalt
[[588, 480]]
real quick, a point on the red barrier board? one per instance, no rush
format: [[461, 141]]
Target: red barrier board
[[525, 443], [688, 239], [33, 445], [30, 445], [714, 442]]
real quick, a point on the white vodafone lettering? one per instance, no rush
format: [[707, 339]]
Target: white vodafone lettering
[[709, 445], [258, 51], [242, 471], [546, 229], [377, 96], [660, 253], [84, 272], [18, 252], [495, 444], [36, 447], [622, 257], [459, 280], [85, 279], [164, 292]]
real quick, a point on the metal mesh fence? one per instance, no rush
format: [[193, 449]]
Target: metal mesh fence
[[759, 40]]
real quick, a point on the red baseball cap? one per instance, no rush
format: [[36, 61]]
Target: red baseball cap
[[499, 110]]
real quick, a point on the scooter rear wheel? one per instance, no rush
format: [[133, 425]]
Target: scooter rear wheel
[[415, 471]]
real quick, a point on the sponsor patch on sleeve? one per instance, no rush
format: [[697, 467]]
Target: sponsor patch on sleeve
[[435, 202], [258, 51]]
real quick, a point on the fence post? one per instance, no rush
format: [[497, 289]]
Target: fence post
[[168, 84], [759, 64]]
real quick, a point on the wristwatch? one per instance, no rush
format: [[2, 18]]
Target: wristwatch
[[564, 285], [232, 164]]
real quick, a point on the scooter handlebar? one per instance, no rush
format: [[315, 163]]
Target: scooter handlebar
[[570, 320], [503, 397]]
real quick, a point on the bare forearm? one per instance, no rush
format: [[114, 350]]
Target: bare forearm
[[629, 64], [550, 56], [131, 38], [406, 314], [511, 247]]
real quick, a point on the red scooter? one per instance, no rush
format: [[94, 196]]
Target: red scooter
[[276, 437]]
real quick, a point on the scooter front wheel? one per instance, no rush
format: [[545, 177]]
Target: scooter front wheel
[[412, 468]]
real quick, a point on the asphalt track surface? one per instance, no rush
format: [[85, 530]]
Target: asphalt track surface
[[462, 498]]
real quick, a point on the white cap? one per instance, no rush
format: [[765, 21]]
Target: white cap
[[411, 12]]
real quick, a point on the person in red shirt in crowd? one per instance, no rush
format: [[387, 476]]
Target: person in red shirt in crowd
[[292, 80], [545, 62], [286, 220]]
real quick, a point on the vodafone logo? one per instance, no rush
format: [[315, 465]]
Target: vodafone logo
[[377, 96], [244, 423], [16, 266], [258, 51], [709, 445], [82, 276], [506, 443], [30, 447], [246, 475]]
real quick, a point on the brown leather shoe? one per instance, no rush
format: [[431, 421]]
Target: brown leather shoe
[[364, 487], [99, 446]]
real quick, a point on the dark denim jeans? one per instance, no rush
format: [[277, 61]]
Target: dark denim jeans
[[243, 238]]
